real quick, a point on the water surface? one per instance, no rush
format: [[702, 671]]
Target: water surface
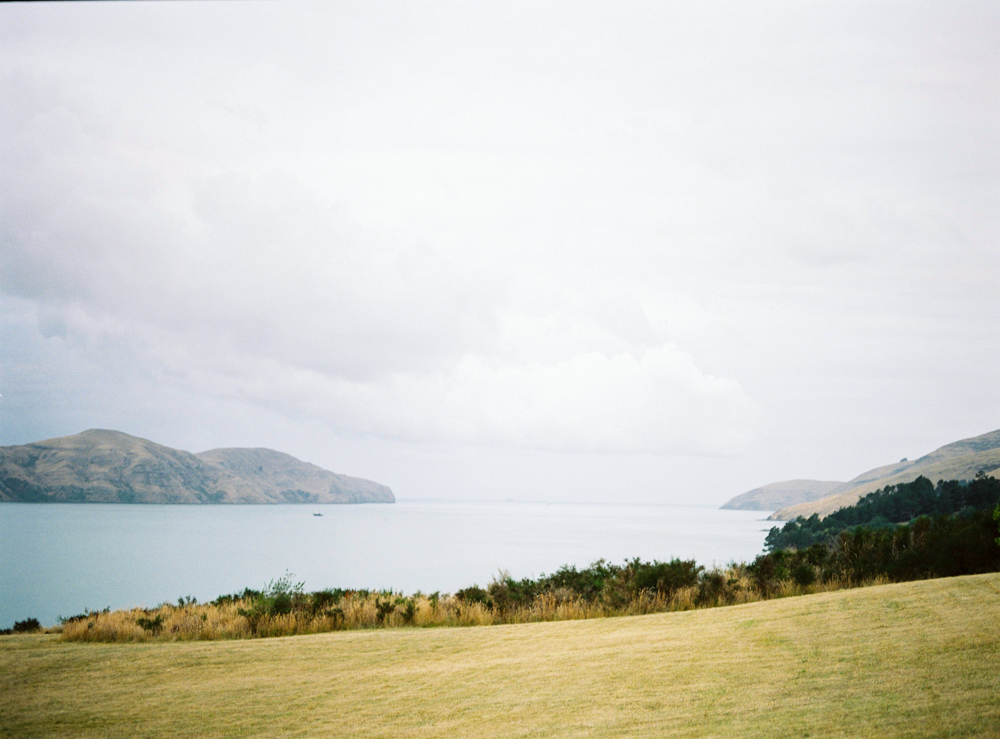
[[59, 559]]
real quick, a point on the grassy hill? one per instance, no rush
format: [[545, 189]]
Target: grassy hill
[[909, 660], [782, 494], [100, 466], [286, 479], [960, 460]]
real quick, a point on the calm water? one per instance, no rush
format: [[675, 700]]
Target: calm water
[[61, 559]]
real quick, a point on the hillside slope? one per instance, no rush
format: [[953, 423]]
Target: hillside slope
[[960, 460], [293, 480], [912, 660], [101, 466], [782, 494]]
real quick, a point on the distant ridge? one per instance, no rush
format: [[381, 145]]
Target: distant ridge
[[960, 460], [781, 494], [102, 466]]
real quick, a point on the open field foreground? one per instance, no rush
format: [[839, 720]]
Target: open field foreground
[[919, 659]]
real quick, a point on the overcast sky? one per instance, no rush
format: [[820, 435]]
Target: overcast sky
[[614, 252]]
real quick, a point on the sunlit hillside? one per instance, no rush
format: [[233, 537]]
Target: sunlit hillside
[[960, 460]]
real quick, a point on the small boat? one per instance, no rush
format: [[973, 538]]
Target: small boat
[[317, 514]]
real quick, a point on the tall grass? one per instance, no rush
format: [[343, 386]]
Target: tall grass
[[284, 609]]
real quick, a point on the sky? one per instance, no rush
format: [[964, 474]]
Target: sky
[[608, 252]]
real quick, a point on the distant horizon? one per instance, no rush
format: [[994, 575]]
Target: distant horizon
[[536, 499]]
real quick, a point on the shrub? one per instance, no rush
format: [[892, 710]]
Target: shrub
[[384, 609], [27, 626], [711, 588], [804, 574], [763, 571], [589, 584], [278, 598], [322, 601], [664, 578], [408, 610], [72, 619], [507, 594], [474, 594], [152, 625], [245, 594]]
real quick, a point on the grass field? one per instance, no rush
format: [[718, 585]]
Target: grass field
[[919, 659]]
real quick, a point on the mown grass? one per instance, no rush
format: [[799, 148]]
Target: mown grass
[[918, 659]]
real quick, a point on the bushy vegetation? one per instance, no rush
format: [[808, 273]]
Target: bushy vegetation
[[996, 517], [894, 504], [939, 546], [23, 627], [602, 583], [904, 532], [284, 608]]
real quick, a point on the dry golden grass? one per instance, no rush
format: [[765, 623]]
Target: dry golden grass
[[207, 621], [919, 659]]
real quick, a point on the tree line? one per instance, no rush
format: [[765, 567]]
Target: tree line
[[902, 532], [889, 507]]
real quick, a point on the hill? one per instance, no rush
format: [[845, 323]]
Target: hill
[[781, 494], [101, 466], [294, 481], [911, 660], [960, 460]]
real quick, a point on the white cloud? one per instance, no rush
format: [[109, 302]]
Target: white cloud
[[657, 403]]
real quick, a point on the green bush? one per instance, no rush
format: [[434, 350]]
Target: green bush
[[764, 572], [245, 594], [473, 594], [711, 588], [407, 609], [279, 597], [589, 584], [384, 609], [27, 626], [152, 625], [506, 594], [664, 578], [804, 574], [323, 601]]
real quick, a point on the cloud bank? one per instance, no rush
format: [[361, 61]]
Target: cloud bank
[[723, 230], [256, 285]]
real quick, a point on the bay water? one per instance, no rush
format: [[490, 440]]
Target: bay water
[[60, 559]]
